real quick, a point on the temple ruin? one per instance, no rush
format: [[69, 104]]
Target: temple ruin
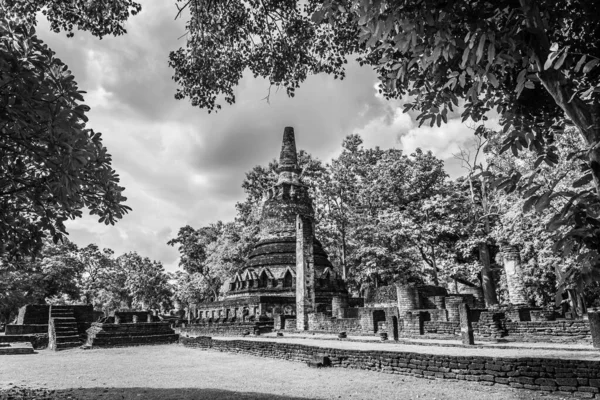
[[288, 284]]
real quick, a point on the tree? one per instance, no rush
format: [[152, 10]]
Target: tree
[[535, 62], [214, 252], [481, 195], [98, 272], [146, 284], [99, 18], [55, 274], [51, 165]]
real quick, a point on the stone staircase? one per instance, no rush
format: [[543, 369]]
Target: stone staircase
[[16, 348], [62, 329]]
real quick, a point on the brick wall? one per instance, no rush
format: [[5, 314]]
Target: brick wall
[[117, 335], [323, 323], [226, 328], [565, 377], [33, 314], [25, 329], [549, 330]]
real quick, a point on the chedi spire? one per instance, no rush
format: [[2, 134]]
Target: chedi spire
[[288, 158]]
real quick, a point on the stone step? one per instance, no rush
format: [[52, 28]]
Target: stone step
[[67, 345], [72, 332], [17, 348], [64, 323], [65, 327], [67, 339]]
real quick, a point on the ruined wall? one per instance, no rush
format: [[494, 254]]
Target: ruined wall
[[25, 329], [119, 335], [225, 328], [324, 323], [564, 377], [33, 314]]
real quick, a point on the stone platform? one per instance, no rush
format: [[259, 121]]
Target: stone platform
[[569, 370], [130, 334], [16, 348]]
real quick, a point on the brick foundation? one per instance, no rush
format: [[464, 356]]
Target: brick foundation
[[577, 378]]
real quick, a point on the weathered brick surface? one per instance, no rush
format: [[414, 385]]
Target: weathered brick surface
[[226, 328], [523, 373], [117, 335]]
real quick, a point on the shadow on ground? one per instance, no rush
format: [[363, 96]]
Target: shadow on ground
[[22, 393]]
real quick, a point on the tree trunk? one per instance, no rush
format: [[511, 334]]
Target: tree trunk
[[584, 116], [344, 267], [436, 280], [487, 281]]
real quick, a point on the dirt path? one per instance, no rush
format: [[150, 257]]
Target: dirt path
[[175, 372]]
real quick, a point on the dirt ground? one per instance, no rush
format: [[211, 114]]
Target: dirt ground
[[175, 372]]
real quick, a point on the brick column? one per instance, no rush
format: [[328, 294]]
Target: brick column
[[338, 305], [466, 329], [408, 298], [514, 279], [305, 271]]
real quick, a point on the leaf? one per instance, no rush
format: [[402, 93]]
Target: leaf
[[531, 191], [589, 65], [562, 58], [480, 47], [580, 63], [529, 203], [491, 54], [543, 201], [584, 180], [492, 78], [550, 60]]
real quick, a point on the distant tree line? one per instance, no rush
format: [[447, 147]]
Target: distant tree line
[[387, 216]]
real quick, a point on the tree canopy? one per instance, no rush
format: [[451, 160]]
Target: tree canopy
[[51, 165], [534, 62]]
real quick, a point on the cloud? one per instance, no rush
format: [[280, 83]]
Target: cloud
[[181, 165]]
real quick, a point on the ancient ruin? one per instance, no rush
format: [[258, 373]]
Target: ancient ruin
[[130, 328], [288, 276], [60, 327], [288, 284]]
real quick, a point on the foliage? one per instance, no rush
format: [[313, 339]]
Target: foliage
[[54, 274], [215, 252], [100, 18], [534, 62], [51, 165], [146, 283]]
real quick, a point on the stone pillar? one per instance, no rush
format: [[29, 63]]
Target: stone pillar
[[452, 307], [594, 318], [305, 271], [117, 319], [466, 329], [134, 319], [514, 279], [338, 304], [149, 317], [477, 293], [408, 298]]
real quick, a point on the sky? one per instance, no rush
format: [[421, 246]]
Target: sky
[[182, 166]]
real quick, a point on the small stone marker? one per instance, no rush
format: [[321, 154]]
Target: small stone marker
[[319, 360], [134, 319], [342, 335], [466, 329], [594, 318]]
